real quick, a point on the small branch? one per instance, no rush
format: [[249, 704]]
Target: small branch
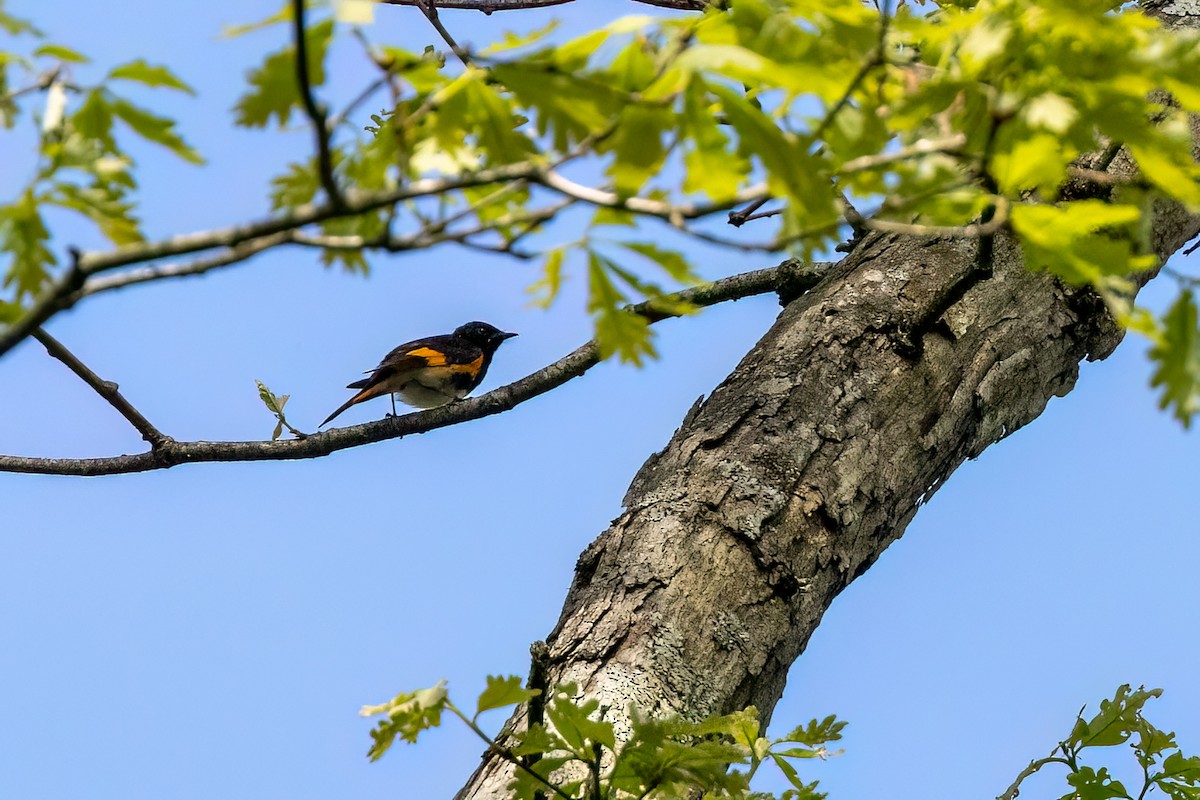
[[504, 752], [106, 389], [490, 6], [315, 112], [430, 11], [739, 218], [642, 205], [793, 276], [354, 104], [948, 145], [230, 256], [44, 82], [1015, 789], [877, 58], [972, 231]]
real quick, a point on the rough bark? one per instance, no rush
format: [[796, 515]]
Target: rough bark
[[812, 457]]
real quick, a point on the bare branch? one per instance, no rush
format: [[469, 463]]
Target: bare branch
[[642, 205], [227, 257], [315, 112], [490, 6], [924, 147], [106, 389], [790, 274]]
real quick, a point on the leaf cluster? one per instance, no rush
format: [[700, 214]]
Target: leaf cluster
[[1120, 721], [574, 752], [959, 119], [83, 162]]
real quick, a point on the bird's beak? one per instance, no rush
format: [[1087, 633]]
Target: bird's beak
[[504, 336]]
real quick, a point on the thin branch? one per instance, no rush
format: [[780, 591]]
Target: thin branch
[[948, 145], [642, 205], [354, 104], [315, 112], [44, 82], [504, 752], [106, 389], [790, 274], [179, 269], [1015, 789], [490, 6], [430, 11], [739, 218], [972, 231], [64, 292]]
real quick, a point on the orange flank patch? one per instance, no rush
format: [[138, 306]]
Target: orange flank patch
[[471, 368], [433, 358]]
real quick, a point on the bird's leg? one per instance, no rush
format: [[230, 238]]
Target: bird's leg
[[393, 396]]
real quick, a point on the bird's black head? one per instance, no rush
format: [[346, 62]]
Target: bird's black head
[[489, 337]]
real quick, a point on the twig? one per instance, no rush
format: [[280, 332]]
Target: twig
[[504, 752], [136, 275], [739, 218], [925, 147], [106, 389], [1015, 789], [315, 112], [430, 11], [353, 105], [490, 6], [790, 274], [642, 205]]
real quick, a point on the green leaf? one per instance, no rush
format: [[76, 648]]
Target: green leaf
[[296, 187], [10, 312], [637, 144], [1093, 784], [275, 404], [150, 75], [713, 167], [501, 692], [1181, 768], [104, 205], [617, 330], [1177, 177], [672, 262], [816, 732], [284, 14], [513, 41], [572, 721], [273, 91], [566, 106], [154, 128], [16, 26], [60, 52], [408, 714], [94, 120], [1116, 720], [1177, 357], [790, 168], [546, 289], [23, 235]]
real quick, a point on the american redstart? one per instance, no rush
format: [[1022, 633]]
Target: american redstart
[[432, 372]]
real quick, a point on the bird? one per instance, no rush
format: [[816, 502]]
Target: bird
[[431, 372]]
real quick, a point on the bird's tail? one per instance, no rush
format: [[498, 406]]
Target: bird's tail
[[366, 394]]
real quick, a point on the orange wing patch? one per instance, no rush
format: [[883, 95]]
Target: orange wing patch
[[433, 358]]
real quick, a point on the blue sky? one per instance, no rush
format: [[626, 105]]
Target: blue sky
[[211, 631]]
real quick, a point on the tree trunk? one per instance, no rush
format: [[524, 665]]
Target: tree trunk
[[812, 457]]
